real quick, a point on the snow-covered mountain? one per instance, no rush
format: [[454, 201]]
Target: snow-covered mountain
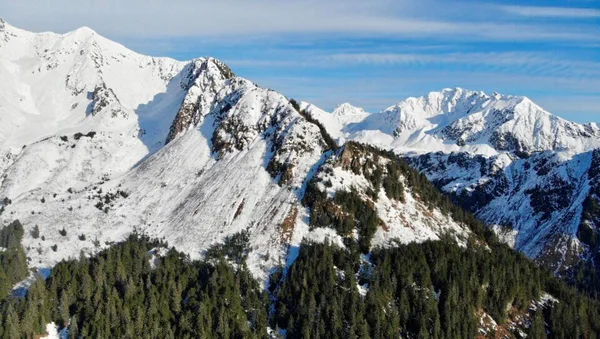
[[97, 141], [515, 165], [458, 120], [335, 121]]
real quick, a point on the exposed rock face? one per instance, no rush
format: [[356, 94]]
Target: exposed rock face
[[543, 197], [102, 97], [204, 79], [588, 231]]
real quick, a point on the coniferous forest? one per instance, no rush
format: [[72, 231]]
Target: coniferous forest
[[13, 263], [120, 293], [431, 290]]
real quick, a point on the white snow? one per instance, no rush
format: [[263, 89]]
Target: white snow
[[363, 289], [125, 177], [546, 300], [155, 255], [59, 85], [53, 333], [335, 121], [438, 121], [412, 221]]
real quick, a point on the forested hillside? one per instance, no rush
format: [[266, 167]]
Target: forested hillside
[[128, 291], [13, 264], [436, 289], [458, 283], [430, 290]]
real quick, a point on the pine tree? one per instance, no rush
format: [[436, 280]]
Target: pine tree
[[11, 326], [538, 329]]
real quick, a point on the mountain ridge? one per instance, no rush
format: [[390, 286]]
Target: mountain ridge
[[122, 138], [182, 151]]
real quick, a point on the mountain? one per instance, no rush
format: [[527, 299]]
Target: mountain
[[516, 166], [149, 197], [98, 141], [336, 120], [458, 120]]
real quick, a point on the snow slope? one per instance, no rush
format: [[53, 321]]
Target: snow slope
[[335, 121], [57, 85]]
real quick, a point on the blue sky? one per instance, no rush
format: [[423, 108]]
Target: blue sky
[[369, 53]]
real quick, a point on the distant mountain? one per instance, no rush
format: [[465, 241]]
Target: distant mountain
[[517, 166], [458, 120]]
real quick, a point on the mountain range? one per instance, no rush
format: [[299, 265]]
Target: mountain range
[[97, 141], [529, 174]]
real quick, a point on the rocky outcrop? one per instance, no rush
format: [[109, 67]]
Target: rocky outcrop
[[204, 79], [102, 97]]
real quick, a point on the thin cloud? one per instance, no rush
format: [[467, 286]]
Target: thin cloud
[[552, 56], [522, 62], [208, 18], [584, 108], [234, 18], [552, 12]]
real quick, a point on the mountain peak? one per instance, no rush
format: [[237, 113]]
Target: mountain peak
[[457, 119], [86, 35], [204, 78], [3, 25], [459, 92], [82, 31], [347, 109], [453, 90], [459, 101]]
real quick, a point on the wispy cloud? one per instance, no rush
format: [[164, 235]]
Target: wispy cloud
[[552, 12], [521, 62], [583, 108], [207, 18]]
